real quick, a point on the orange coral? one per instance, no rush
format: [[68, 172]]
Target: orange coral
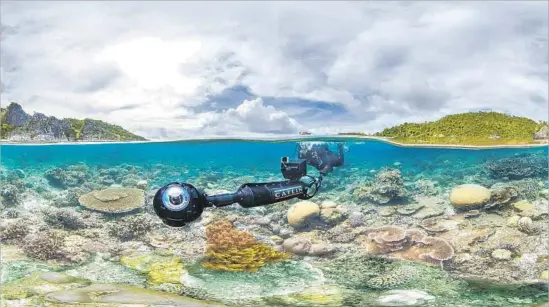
[[230, 249]]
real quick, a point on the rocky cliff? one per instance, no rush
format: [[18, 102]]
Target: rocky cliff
[[19, 126]]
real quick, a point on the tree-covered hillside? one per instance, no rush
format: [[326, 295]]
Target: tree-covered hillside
[[473, 128], [20, 126]]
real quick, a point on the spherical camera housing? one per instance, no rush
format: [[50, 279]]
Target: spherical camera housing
[[178, 203]]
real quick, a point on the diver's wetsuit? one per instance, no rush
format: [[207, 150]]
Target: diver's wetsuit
[[320, 156]]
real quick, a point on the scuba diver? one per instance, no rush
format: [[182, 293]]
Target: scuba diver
[[180, 203], [320, 156]]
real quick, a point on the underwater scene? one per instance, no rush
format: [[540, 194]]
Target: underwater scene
[[390, 226]]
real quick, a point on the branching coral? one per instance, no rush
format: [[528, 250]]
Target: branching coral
[[130, 227], [524, 166], [388, 186], [63, 218], [10, 195], [501, 195], [14, 230], [44, 245], [233, 250]]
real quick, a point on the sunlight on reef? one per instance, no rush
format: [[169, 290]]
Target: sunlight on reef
[[395, 226]]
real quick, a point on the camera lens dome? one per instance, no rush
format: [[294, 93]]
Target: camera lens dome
[[178, 204], [176, 198]]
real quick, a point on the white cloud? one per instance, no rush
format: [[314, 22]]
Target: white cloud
[[250, 118], [254, 116], [148, 66]]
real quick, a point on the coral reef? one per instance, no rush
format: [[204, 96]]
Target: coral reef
[[233, 250], [44, 245], [426, 224], [131, 227], [73, 249], [69, 197], [519, 167], [61, 178], [159, 269], [387, 186], [14, 230], [502, 194], [303, 246], [375, 273], [301, 212], [113, 200], [410, 244], [10, 195], [279, 278], [469, 196], [63, 218], [528, 188], [525, 225], [356, 219]]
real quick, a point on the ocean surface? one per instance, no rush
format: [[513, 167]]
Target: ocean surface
[[494, 252]]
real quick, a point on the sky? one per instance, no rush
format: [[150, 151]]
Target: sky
[[178, 69]]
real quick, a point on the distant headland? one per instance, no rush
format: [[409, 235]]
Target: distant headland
[[20, 127], [472, 129]]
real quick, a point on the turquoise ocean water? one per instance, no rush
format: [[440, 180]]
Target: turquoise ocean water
[[224, 165]]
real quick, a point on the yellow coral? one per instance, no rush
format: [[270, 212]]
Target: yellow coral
[[140, 263], [159, 269], [233, 250], [166, 272]]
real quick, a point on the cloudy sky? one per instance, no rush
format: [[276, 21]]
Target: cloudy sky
[[177, 69]]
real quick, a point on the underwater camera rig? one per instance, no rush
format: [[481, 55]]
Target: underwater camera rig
[[180, 203]]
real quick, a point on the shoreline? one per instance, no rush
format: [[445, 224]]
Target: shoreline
[[287, 138], [458, 146]]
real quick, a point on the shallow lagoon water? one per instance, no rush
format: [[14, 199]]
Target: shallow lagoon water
[[89, 245]]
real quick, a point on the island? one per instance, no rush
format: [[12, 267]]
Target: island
[[486, 129], [20, 127]]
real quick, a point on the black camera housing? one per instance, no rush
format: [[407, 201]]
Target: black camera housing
[[293, 170]]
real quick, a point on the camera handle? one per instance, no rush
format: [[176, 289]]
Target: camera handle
[[259, 194]]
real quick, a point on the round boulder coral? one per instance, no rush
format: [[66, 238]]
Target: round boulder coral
[[113, 200], [469, 196], [300, 213]]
